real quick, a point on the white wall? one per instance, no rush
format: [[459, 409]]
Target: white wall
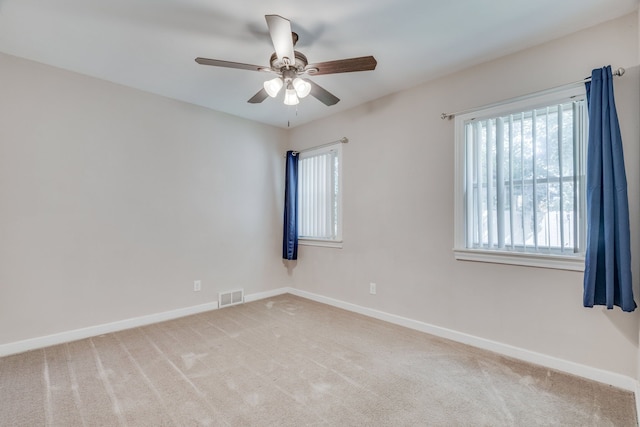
[[113, 201], [398, 210]]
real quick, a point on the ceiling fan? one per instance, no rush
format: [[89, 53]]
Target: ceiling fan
[[290, 65]]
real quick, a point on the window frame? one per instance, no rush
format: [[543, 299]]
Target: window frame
[[574, 262], [337, 241]]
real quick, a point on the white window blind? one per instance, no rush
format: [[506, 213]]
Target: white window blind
[[319, 194], [523, 179]]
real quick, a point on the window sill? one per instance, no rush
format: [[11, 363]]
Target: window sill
[[560, 262], [321, 243]]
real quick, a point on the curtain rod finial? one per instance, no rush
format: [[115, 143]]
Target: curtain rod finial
[[620, 72], [344, 139]]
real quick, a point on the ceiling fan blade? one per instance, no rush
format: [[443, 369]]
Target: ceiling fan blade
[[228, 64], [322, 95], [280, 31], [258, 97], [363, 63]]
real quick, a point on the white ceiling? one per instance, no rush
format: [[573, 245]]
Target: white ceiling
[[151, 44]]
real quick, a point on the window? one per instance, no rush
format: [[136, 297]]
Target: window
[[520, 182], [319, 196]]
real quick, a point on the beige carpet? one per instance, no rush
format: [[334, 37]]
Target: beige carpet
[[287, 361]]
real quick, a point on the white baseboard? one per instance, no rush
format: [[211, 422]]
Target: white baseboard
[[92, 331], [268, 294], [600, 375]]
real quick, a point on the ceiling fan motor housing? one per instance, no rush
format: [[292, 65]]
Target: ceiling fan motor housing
[[299, 63]]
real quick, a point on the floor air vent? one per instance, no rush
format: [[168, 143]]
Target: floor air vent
[[228, 298]]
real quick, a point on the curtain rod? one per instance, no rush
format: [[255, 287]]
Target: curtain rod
[[342, 140], [619, 72]]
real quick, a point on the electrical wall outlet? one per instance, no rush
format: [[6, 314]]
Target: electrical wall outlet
[[197, 286], [372, 288]]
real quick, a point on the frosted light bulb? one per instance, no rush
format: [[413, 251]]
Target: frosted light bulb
[[290, 97], [273, 86], [302, 87]]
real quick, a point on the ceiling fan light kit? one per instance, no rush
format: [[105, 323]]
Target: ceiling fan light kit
[[273, 86], [302, 87], [289, 64], [290, 97]]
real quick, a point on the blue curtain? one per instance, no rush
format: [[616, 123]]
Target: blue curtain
[[290, 235], [607, 276]]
